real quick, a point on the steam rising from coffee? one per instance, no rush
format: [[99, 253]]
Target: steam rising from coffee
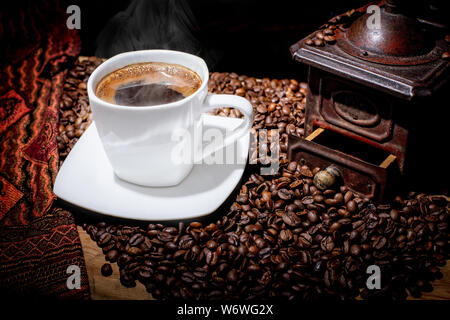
[[152, 24]]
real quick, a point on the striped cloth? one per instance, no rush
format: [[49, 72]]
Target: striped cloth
[[38, 240]]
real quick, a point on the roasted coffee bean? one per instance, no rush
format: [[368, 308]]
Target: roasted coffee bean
[[106, 270], [170, 246], [339, 198], [123, 260], [261, 109], [335, 226], [394, 214], [313, 217], [260, 243], [253, 250], [146, 245], [134, 251], [253, 228], [355, 250], [186, 242], [291, 219], [379, 242], [265, 253], [253, 268], [211, 244], [348, 196], [318, 198], [112, 255], [242, 250], [305, 239], [170, 230], [327, 244], [109, 246], [351, 206], [318, 42], [145, 273], [292, 166], [284, 194], [164, 236], [195, 224], [233, 275], [136, 239], [331, 202], [286, 235], [329, 39], [104, 239], [242, 198], [266, 196]]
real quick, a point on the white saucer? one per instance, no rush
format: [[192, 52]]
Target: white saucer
[[86, 180]]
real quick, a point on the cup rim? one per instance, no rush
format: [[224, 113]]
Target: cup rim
[[92, 96]]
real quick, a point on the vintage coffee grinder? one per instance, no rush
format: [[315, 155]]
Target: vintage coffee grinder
[[375, 106]]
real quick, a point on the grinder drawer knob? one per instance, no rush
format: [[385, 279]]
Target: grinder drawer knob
[[326, 178]]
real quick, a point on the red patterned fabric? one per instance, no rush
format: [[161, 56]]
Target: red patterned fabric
[[38, 241]]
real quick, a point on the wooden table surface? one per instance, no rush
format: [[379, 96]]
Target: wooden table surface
[[110, 288]]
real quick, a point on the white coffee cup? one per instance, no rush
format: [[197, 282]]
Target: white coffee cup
[[139, 140]]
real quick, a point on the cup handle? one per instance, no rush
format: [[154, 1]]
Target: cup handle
[[214, 101]]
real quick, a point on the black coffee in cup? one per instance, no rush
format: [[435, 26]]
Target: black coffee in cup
[[148, 84]]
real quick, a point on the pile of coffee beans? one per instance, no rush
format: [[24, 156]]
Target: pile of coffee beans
[[277, 104], [326, 33], [281, 237], [74, 110]]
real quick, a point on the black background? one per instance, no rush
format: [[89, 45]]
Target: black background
[[247, 36]]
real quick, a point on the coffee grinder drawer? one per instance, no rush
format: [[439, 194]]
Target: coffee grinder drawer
[[365, 170]]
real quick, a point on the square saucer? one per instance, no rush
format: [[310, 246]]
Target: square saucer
[[86, 179]]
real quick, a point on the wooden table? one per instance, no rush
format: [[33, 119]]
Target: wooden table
[[110, 288]]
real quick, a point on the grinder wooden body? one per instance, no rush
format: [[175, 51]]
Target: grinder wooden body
[[381, 88]]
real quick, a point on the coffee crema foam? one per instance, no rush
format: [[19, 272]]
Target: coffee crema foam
[[148, 84]]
